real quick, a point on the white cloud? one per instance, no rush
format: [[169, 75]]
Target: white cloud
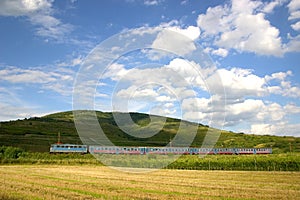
[[152, 2], [17, 75], [290, 91], [115, 71], [269, 6], [58, 80], [51, 27], [171, 42], [193, 74], [237, 83], [71, 63], [294, 5], [261, 116], [14, 107], [292, 108], [280, 129], [279, 76], [294, 15], [170, 38], [285, 87], [169, 105], [23, 7], [201, 104], [220, 52], [248, 106], [296, 26], [184, 2], [242, 27], [164, 98], [293, 45], [294, 10], [40, 14], [191, 32]]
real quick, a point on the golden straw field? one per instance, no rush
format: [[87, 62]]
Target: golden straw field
[[100, 182]]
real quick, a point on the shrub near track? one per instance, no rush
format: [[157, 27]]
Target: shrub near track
[[273, 162]]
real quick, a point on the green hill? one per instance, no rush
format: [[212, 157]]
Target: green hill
[[36, 134]]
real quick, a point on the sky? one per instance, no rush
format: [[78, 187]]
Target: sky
[[229, 64]]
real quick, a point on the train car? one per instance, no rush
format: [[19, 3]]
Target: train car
[[246, 151], [264, 151], [68, 148], [116, 150], [224, 151]]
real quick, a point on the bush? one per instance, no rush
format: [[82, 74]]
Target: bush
[[10, 152]]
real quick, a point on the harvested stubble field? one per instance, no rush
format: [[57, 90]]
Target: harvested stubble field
[[100, 182]]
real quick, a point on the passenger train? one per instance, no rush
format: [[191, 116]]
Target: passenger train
[[73, 148]]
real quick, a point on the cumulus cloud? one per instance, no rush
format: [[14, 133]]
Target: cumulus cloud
[[296, 26], [220, 52], [282, 85], [170, 38], [191, 32], [262, 117], [176, 43], [23, 7], [237, 83], [294, 11], [280, 129], [245, 104], [242, 25], [268, 7], [40, 14], [294, 8]]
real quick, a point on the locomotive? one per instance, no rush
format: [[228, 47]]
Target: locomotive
[[73, 148]]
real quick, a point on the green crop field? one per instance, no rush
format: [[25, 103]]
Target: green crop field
[[99, 182]]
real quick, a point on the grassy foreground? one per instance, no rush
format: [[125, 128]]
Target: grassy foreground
[[100, 182]]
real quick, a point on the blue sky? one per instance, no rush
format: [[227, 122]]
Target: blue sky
[[254, 47]]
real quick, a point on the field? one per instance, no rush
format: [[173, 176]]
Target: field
[[100, 182]]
